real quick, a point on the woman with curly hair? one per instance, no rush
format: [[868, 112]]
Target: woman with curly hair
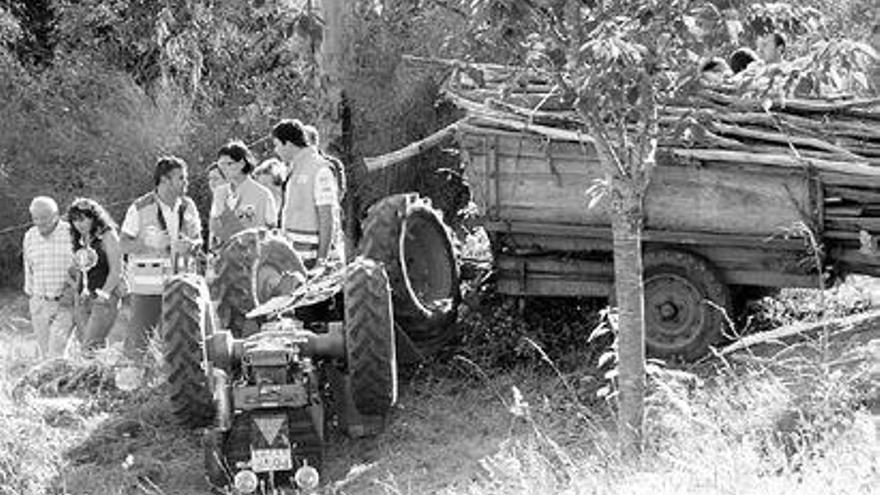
[[98, 260]]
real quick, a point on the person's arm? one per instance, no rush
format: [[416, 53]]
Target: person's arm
[[26, 262], [129, 243], [190, 233], [325, 231], [110, 240], [271, 215], [326, 199]]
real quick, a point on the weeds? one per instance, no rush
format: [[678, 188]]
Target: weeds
[[792, 421]]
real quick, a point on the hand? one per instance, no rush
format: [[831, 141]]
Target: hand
[[101, 296], [182, 246], [68, 294]]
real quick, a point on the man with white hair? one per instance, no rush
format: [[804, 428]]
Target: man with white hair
[[48, 255]]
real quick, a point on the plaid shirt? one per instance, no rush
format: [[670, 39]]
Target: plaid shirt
[[46, 261]]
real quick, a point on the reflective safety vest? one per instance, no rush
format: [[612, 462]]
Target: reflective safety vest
[[147, 270], [299, 217]]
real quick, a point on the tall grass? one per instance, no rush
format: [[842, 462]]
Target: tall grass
[[797, 421], [743, 432]]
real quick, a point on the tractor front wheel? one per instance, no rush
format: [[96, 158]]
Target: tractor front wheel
[[186, 323], [369, 336], [253, 267]]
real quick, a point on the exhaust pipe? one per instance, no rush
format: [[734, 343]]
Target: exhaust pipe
[[222, 400]]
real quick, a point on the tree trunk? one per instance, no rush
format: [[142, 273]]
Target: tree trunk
[[626, 226], [336, 52]]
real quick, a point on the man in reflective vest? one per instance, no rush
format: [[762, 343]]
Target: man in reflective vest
[[159, 224], [310, 214]]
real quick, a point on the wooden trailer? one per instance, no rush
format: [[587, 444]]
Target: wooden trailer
[[770, 198], [717, 229]]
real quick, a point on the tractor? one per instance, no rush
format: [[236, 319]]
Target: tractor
[[259, 348]]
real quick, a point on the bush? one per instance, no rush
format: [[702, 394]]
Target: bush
[[495, 332], [798, 305]]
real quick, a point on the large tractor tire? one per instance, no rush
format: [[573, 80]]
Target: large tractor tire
[[186, 323], [680, 322], [409, 237], [253, 267], [369, 338]]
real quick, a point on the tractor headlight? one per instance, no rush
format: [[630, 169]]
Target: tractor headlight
[[246, 481], [307, 477]]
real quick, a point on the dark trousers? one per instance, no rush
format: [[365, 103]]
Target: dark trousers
[[145, 319]]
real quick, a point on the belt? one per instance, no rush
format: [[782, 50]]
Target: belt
[[48, 298]]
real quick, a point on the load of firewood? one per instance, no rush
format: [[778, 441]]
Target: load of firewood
[[836, 139]]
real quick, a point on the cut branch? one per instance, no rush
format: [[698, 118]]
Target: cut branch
[[414, 149]]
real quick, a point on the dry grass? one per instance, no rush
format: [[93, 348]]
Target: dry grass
[[799, 421]]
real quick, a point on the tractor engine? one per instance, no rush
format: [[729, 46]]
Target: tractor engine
[[270, 415]]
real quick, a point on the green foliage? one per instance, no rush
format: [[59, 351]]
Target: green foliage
[[796, 305], [393, 103], [128, 80], [495, 332]]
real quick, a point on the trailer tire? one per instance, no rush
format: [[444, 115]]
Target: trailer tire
[[408, 235], [254, 266], [679, 321], [186, 323], [369, 338]]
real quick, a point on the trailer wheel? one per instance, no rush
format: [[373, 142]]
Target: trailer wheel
[[410, 238], [186, 323], [684, 297], [369, 338], [254, 266]]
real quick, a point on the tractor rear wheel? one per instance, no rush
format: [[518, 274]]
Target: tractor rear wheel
[[408, 235], [216, 469], [253, 267], [369, 338], [186, 323], [685, 301]]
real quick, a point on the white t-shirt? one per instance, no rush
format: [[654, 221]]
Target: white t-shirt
[[132, 223], [326, 189]]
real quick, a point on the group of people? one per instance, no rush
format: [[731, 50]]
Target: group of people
[[770, 49], [74, 268]]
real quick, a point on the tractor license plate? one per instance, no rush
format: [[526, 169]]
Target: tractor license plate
[[267, 460]]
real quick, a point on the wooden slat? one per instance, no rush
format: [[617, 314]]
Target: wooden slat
[[854, 194], [536, 244], [554, 286], [856, 262], [769, 279], [852, 223], [529, 145], [549, 284], [555, 265], [849, 180], [687, 238], [781, 160], [841, 235], [843, 211]]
